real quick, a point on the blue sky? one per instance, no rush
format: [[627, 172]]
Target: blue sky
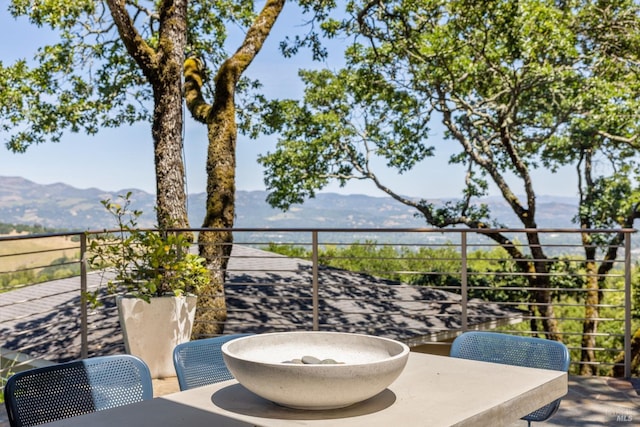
[[115, 159]]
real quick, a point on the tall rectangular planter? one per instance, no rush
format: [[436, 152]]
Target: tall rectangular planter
[[152, 330]]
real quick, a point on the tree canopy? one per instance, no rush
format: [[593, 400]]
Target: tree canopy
[[122, 61], [517, 85], [110, 63], [513, 83], [85, 79]]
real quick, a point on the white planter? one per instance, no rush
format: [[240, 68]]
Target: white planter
[[151, 330]]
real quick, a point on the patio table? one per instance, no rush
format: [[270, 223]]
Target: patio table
[[431, 391]]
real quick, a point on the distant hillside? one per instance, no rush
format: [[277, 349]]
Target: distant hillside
[[61, 206]]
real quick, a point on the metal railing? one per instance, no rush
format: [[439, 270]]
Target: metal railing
[[422, 286]]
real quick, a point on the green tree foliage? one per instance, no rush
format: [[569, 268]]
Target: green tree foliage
[[493, 277], [24, 228], [517, 85], [60, 268], [113, 63], [604, 133], [86, 79]]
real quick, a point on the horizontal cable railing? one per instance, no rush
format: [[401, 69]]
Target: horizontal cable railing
[[421, 286]]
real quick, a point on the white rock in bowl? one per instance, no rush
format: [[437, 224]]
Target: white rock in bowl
[[366, 366]]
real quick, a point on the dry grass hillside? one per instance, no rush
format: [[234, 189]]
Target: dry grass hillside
[[37, 253]]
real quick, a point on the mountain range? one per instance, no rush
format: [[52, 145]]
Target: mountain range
[[61, 206]]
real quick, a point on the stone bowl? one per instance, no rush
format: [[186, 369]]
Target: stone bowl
[[266, 365]]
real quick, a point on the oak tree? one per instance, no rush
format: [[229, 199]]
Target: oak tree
[[220, 119], [116, 62], [518, 85]]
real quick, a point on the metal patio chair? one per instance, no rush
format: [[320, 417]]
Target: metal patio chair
[[199, 363], [64, 390], [515, 350]]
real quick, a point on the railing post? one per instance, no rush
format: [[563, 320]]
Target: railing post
[[627, 305], [315, 295], [84, 315], [463, 282]]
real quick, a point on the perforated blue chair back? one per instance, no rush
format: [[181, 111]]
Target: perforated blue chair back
[[55, 392], [199, 363], [515, 350]]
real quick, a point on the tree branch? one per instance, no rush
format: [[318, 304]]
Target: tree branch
[[631, 142], [231, 70], [139, 50], [194, 75]]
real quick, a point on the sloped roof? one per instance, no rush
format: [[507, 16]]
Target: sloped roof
[[265, 292], [268, 292]]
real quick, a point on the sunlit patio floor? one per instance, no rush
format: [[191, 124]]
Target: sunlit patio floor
[[599, 401]]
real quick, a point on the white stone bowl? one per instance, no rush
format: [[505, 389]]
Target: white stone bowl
[[369, 365]]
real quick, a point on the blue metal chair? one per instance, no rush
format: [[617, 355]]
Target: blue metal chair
[[515, 350], [55, 392], [199, 363]]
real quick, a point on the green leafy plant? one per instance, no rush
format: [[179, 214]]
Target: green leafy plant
[[144, 263]]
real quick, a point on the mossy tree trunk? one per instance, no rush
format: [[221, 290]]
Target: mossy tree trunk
[[618, 370], [215, 246], [591, 197], [591, 313]]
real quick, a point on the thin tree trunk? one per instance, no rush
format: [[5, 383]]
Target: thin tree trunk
[[590, 323]]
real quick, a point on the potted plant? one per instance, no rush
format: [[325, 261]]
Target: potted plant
[[154, 277]]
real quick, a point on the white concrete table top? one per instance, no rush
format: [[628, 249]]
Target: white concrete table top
[[432, 391]]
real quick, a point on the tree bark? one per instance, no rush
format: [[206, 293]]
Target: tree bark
[[163, 69], [540, 280], [591, 313]]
